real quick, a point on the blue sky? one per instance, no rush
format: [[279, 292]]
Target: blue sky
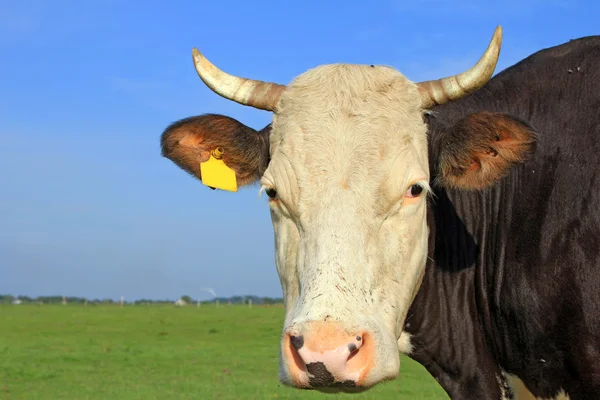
[[88, 207]]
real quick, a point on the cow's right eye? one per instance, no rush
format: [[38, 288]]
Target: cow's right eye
[[272, 193]]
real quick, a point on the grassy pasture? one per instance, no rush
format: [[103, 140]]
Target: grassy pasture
[[159, 352]]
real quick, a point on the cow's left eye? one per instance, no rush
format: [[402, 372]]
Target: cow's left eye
[[414, 190]]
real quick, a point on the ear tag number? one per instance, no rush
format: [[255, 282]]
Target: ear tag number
[[216, 174]]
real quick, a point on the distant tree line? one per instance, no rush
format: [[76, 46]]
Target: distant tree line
[[258, 300]]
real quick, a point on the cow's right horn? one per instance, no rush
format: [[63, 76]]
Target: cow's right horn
[[257, 94], [454, 87]]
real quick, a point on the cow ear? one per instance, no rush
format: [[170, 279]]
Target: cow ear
[[190, 141], [481, 148]]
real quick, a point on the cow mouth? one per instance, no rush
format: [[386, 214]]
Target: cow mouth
[[328, 357], [340, 387]]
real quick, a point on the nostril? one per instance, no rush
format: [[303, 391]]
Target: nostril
[[354, 348], [297, 342], [353, 351]]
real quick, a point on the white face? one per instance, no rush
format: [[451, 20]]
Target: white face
[[348, 162]]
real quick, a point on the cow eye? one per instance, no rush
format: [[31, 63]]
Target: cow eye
[[414, 190], [272, 193]]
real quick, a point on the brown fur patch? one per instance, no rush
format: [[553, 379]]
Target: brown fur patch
[[481, 148], [188, 142]]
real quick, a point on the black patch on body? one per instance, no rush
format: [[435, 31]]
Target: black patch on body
[[513, 278]]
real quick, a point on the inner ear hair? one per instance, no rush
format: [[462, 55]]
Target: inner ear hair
[[481, 148]]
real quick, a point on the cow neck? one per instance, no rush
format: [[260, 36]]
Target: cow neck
[[452, 306]]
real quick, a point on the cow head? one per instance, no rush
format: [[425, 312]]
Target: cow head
[[345, 167]]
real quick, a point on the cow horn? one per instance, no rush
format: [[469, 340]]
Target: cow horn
[[454, 87], [258, 94]]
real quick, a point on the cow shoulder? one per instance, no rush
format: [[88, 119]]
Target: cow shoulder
[[190, 141], [481, 148]]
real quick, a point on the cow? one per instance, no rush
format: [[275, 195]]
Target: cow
[[455, 220]]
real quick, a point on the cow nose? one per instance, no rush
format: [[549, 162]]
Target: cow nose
[[323, 354]]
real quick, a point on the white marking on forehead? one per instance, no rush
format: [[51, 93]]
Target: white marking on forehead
[[331, 103], [343, 126]]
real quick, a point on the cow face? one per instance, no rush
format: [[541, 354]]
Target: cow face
[[347, 181], [346, 175], [346, 171]]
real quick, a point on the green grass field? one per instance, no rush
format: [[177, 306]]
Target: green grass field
[[159, 352]]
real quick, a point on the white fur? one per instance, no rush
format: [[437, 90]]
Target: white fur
[[404, 344], [347, 142]]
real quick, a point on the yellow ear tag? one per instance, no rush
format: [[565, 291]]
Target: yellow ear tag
[[216, 174]]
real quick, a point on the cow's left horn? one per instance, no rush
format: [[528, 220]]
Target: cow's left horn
[[257, 94], [454, 87]]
